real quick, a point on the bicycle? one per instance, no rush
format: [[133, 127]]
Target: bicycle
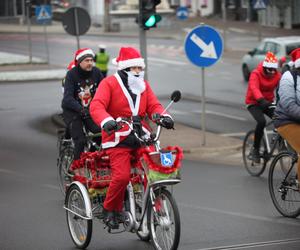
[[271, 144], [283, 186], [150, 209], [66, 151]]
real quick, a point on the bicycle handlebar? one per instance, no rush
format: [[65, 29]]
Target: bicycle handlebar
[[153, 136]]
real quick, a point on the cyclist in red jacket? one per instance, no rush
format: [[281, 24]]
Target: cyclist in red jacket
[[260, 94]]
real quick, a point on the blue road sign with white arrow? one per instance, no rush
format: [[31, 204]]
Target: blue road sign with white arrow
[[182, 13], [203, 46], [43, 13]]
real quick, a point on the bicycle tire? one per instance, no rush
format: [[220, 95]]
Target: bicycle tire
[[166, 217], [80, 229], [282, 185], [254, 169], [65, 160]]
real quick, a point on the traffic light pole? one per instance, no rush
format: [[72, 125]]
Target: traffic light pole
[[143, 40], [143, 49]]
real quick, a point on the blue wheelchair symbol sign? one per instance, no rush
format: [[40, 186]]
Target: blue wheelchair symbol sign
[[182, 13], [203, 46], [43, 13], [166, 159]]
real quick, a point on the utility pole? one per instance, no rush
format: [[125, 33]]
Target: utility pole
[[224, 15], [106, 16], [28, 8]]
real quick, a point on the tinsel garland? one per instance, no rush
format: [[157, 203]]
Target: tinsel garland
[[145, 153]]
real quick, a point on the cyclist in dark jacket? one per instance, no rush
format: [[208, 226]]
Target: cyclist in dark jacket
[[79, 89]]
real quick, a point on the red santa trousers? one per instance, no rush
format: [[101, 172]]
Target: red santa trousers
[[120, 169]]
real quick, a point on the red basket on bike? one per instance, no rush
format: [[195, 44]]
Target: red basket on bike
[[161, 165]]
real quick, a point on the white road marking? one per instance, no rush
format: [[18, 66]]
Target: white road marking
[[166, 61], [233, 134], [179, 112], [222, 114], [253, 245], [282, 220]]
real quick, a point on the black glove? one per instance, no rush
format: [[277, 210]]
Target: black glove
[[110, 126], [167, 122], [85, 113], [263, 103]]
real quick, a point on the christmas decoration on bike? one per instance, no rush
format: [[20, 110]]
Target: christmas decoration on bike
[[93, 171], [161, 165]]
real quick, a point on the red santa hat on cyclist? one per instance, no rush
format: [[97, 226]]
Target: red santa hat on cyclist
[[270, 61], [295, 55], [81, 54], [129, 57]]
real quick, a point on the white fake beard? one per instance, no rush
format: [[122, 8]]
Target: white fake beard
[[136, 83]]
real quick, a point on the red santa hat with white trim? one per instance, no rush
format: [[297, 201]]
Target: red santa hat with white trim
[[295, 55], [129, 57], [270, 61], [81, 54]]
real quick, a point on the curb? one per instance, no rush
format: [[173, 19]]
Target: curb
[[213, 150], [210, 151], [50, 74]]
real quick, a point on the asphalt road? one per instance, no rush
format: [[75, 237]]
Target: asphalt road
[[221, 206]]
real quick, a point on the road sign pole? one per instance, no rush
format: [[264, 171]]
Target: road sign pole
[[203, 120], [46, 42], [76, 27], [29, 30]]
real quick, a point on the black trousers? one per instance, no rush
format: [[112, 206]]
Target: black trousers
[[259, 115], [75, 124]]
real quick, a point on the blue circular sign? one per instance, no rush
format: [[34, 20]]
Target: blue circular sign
[[203, 46], [182, 13]]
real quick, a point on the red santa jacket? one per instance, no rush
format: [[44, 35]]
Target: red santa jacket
[[112, 100], [261, 86]]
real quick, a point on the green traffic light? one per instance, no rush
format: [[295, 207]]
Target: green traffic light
[[152, 20]]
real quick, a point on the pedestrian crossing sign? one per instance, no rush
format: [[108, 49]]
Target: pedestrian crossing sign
[[43, 13], [259, 4]]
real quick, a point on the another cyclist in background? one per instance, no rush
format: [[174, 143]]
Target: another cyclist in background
[[79, 89], [287, 112], [102, 59], [125, 94], [259, 97]]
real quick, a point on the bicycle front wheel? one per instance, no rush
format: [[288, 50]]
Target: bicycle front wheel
[[80, 228], [64, 164], [282, 184], [164, 221], [254, 169]]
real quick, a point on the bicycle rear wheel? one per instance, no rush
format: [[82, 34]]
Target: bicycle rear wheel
[[282, 184], [254, 169], [164, 221], [80, 227], [64, 164]]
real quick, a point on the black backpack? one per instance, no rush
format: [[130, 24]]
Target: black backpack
[[294, 74]]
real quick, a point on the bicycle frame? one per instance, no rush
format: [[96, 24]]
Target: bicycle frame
[[148, 196]]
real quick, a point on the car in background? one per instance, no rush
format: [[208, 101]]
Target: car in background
[[280, 46]]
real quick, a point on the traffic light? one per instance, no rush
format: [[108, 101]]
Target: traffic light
[[148, 16]]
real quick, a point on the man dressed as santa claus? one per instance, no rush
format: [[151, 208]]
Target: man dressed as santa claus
[[125, 94]]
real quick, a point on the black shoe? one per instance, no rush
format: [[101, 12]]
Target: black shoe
[[255, 156], [109, 219], [120, 217]]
